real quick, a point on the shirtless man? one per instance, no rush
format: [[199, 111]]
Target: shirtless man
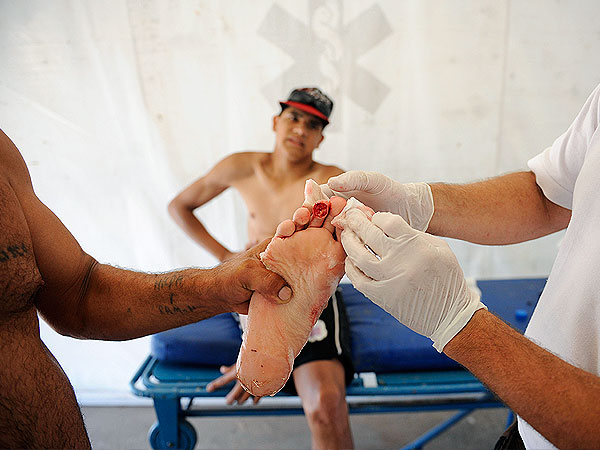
[[276, 179], [44, 270]]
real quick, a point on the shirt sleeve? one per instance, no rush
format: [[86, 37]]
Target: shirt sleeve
[[556, 169]]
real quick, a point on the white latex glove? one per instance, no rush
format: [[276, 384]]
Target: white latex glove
[[412, 201], [415, 276]]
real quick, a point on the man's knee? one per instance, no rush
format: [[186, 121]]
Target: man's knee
[[326, 406]]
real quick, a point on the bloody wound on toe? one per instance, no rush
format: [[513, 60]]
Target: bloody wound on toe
[[321, 209]]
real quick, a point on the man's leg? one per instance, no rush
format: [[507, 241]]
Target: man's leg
[[322, 388]]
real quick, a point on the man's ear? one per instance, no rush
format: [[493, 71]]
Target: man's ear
[[275, 119], [320, 140]]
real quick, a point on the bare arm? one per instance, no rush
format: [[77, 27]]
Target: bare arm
[[550, 394], [109, 303], [83, 298], [200, 192], [502, 210]]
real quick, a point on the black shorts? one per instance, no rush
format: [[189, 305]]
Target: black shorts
[[329, 339]]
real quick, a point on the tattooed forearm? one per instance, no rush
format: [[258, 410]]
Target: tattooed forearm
[[172, 282], [13, 252], [168, 282], [174, 309]]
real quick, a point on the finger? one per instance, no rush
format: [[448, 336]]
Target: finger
[[301, 217], [226, 378], [242, 308], [392, 225], [243, 397], [255, 400], [234, 394], [367, 232], [359, 280], [260, 247], [285, 228], [360, 256], [326, 190], [336, 206], [268, 283], [271, 285], [354, 180]]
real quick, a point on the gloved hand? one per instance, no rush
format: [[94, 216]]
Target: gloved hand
[[415, 276], [412, 201]]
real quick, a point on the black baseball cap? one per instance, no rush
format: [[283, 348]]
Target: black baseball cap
[[310, 100]]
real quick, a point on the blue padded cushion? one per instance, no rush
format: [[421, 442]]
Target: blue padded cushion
[[379, 342], [210, 342]]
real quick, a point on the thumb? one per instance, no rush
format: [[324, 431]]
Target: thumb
[[391, 224], [273, 286]]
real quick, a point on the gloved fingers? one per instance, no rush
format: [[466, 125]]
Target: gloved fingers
[[359, 280], [361, 257], [367, 231], [392, 225], [358, 180], [354, 180], [326, 190]]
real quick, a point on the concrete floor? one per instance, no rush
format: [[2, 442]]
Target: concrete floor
[[127, 428]]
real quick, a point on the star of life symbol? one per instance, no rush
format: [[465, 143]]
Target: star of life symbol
[[325, 51]]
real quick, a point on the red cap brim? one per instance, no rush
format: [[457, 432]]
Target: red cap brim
[[306, 108]]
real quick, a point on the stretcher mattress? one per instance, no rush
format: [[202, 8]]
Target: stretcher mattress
[[379, 343]]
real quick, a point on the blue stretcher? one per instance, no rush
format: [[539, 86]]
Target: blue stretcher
[[397, 369]]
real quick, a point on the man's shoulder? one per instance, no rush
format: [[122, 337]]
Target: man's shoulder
[[244, 160], [326, 171], [246, 156], [239, 165], [12, 164]]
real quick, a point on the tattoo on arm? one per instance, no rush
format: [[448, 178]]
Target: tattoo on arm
[[13, 252], [171, 282], [174, 309]]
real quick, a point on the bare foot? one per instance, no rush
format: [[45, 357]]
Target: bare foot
[[312, 262]]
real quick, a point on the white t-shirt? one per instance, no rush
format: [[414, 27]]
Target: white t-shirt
[[567, 318]]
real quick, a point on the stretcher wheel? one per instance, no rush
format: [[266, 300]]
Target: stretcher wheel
[[185, 432]]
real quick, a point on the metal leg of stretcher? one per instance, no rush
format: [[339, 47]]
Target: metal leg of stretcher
[[171, 431], [418, 443]]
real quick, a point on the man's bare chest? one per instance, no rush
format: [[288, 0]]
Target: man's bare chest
[[270, 207], [19, 276]]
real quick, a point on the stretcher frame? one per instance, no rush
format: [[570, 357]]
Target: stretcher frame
[[179, 391]]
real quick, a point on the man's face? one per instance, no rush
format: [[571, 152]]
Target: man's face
[[298, 132]]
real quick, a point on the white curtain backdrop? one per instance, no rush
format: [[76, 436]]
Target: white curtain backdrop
[[117, 105]]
